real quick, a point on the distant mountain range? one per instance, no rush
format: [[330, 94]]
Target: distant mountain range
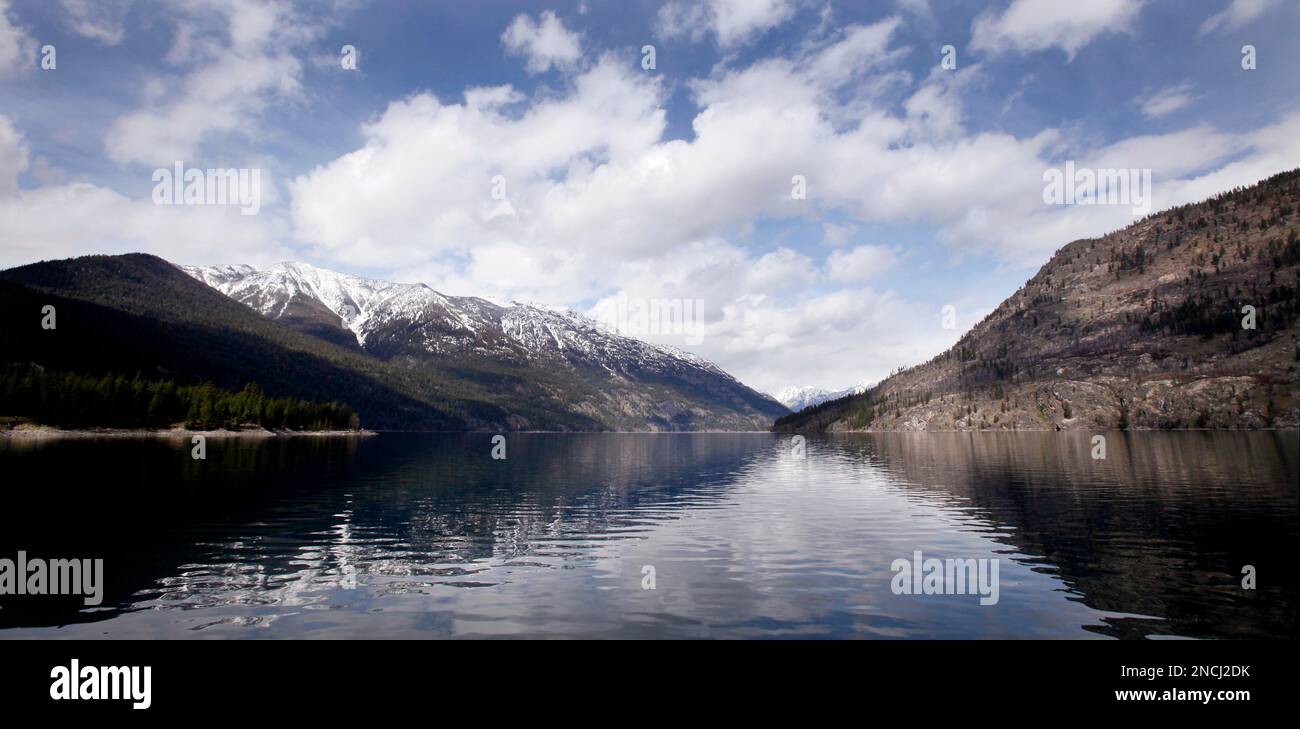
[[404, 356], [1186, 319], [798, 398]]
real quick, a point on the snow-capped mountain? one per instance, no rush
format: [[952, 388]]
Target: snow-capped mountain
[[387, 318], [415, 325], [798, 398]]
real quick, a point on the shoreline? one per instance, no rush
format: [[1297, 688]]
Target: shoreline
[[1283, 429], [41, 432]]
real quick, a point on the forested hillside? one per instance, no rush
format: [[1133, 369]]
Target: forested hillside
[[138, 313], [1147, 327], [69, 400], [122, 315]]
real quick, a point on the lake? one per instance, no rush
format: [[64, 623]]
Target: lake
[[402, 535]]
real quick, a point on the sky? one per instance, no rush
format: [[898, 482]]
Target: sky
[[821, 179]]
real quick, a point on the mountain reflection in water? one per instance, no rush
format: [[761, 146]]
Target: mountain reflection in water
[[424, 535]]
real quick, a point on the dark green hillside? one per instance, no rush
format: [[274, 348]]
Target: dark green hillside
[[69, 400]]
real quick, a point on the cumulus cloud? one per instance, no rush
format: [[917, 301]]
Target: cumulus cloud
[[862, 263], [545, 43], [239, 57], [70, 220], [732, 22], [851, 333], [1187, 166], [1237, 15], [423, 181], [781, 270], [765, 326], [588, 169], [1035, 25], [63, 220], [936, 106]]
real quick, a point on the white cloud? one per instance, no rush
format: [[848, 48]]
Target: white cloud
[[737, 20], [241, 59], [545, 43], [920, 8], [1237, 15], [936, 105], [1170, 155], [819, 338], [75, 219], [836, 235], [860, 48], [862, 263], [422, 183], [17, 49], [13, 157], [1253, 156], [1187, 166], [1167, 100], [781, 270], [732, 22], [767, 338], [62, 220], [1035, 25], [102, 20]]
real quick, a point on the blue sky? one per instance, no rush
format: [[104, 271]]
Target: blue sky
[[924, 183]]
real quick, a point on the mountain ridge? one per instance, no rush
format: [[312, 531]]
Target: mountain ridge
[[365, 306], [1143, 328], [420, 369], [414, 325], [139, 313]]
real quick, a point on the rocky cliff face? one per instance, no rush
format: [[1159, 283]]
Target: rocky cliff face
[[1187, 319]]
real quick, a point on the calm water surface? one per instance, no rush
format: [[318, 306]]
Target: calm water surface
[[421, 535]]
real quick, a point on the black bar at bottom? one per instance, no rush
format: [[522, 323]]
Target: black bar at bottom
[[241, 679]]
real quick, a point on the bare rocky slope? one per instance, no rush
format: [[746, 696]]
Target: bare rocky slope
[[1140, 329]]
